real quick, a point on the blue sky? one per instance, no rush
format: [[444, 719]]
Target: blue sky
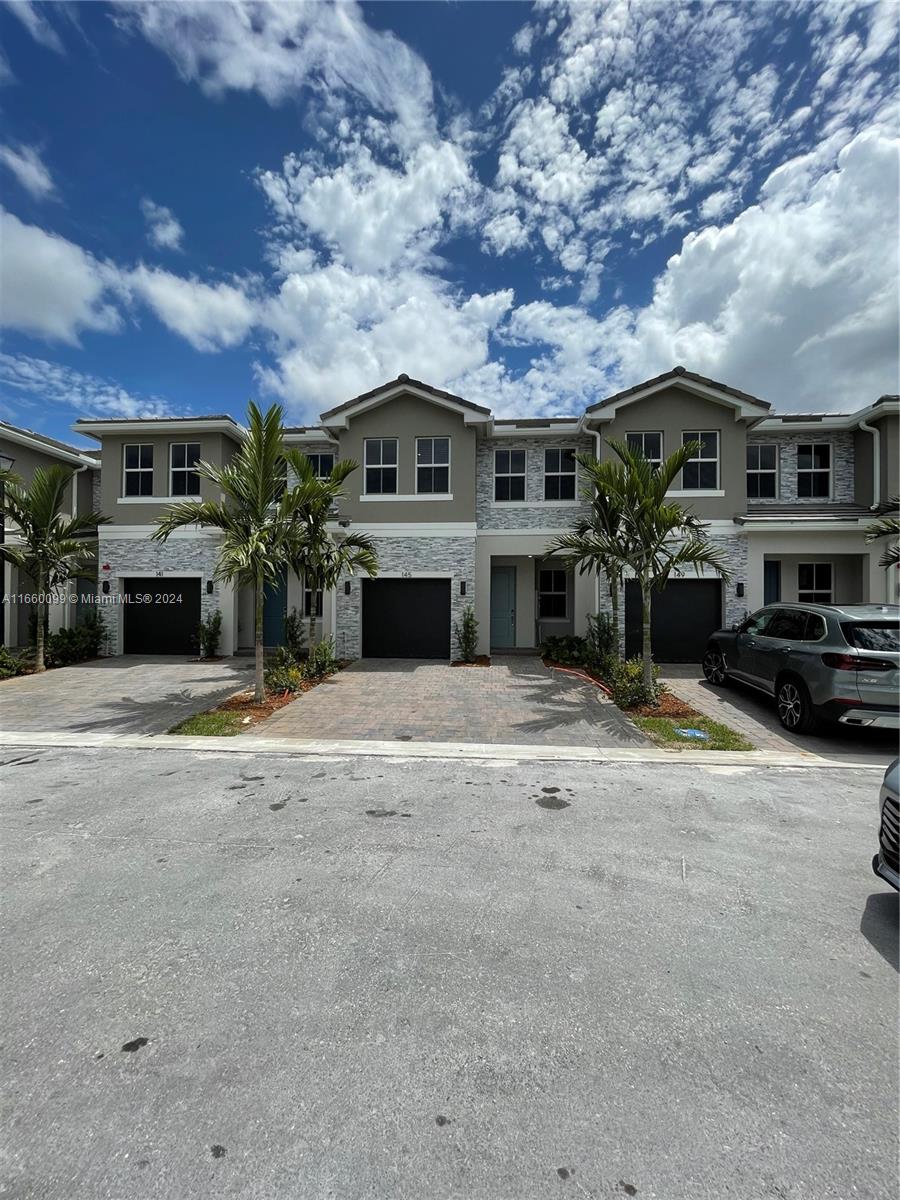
[[531, 205]]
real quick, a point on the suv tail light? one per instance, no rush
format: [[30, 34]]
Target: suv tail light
[[850, 662]]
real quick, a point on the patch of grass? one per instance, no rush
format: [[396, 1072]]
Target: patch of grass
[[662, 731], [210, 724]]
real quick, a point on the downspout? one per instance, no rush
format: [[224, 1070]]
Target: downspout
[[876, 463], [598, 440]]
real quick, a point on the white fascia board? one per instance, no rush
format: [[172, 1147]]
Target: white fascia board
[[742, 409], [32, 443], [342, 419], [417, 529], [310, 435], [136, 533], [146, 428], [570, 429], [801, 525]]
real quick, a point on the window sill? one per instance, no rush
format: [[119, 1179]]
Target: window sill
[[154, 499], [688, 492], [376, 498], [535, 503]]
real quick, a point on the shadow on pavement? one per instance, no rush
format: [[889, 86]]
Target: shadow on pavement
[[879, 925]]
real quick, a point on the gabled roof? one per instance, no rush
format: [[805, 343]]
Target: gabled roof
[[681, 376], [40, 441], [396, 387]]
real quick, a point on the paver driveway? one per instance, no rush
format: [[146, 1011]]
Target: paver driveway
[[516, 701], [128, 694]]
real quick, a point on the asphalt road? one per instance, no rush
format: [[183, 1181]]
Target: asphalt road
[[249, 976]]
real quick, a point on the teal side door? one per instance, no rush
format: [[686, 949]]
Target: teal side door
[[503, 607], [274, 609]]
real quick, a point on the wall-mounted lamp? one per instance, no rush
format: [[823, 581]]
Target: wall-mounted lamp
[[209, 587], [105, 587], [462, 587], [739, 590], [346, 587]]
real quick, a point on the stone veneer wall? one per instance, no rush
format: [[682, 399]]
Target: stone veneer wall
[[536, 513], [96, 502], [130, 558], [736, 555], [842, 466], [425, 555]]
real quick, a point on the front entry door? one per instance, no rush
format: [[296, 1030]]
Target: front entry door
[[503, 608], [274, 609]]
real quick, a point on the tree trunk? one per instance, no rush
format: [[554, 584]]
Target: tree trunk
[[41, 623], [613, 582], [646, 651], [259, 694]]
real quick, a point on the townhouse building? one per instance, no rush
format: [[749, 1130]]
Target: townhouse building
[[461, 506]]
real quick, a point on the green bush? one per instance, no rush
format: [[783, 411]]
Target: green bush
[[601, 641], [209, 631], [567, 650], [626, 680], [68, 646], [294, 634], [321, 660], [466, 634], [281, 672], [10, 666]]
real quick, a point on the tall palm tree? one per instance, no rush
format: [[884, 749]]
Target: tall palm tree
[[887, 526], [661, 539], [597, 543], [50, 545], [318, 556]]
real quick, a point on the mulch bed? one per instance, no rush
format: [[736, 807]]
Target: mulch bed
[[667, 706], [244, 704], [483, 660], [594, 678]]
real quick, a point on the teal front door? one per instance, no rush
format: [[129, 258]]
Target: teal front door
[[274, 609], [503, 607]]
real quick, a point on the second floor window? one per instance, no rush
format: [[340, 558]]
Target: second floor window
[[509, 474], [322, 464], [138, 471], [433, 466], [814, 469], [762, 472], [559, 474], [185, 480], [381, 466], [701, 473], [648, 444]]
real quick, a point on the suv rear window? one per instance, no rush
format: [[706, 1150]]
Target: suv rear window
[[880, 635]]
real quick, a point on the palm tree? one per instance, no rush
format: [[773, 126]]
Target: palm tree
[[317, 555], [661, 539], [50, 546], [887, 526], [597, 543]]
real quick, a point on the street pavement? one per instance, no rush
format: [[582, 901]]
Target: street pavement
[[258, 976]]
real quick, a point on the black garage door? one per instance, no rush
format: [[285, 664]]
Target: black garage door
[[683, 615], [161, 615], [406, 618]]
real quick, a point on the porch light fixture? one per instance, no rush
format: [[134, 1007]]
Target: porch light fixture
[[462, 587], [346, 587], [209, 587], [739, 590], [105, 587]]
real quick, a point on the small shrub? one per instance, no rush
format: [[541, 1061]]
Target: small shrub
[[67, 646], [466, 634], [282, 673], [209, 631], [321, 660], [294, 634], [626, 680], [10, 666], [567, 650], [601, 641]]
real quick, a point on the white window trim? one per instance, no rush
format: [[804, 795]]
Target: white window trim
[[137, 470], [448, 495], [816, 591], [318, 454], [509, 475], [382, 466], [172, 446], [757, 471], [389, 497], [534, 504], [641, 433], [716, 491], [560, 474], [817, 470], [543, 592]]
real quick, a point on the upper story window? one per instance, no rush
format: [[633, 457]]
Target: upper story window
[[814, 469], [648, 444], [184, 456], [322, 464], [814, 583], [509, 474], [381, 466], [433, 465], [138, 470], [762, 471], [701, 473], [559, 474], [552, 593]]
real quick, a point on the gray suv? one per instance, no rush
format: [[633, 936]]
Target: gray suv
[[821, 662]]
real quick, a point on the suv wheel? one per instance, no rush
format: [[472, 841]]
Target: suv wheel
[[795, 710], [714, 667]]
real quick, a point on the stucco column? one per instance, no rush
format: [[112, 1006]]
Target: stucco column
[[755, 574], [228, 608], [584, 600]]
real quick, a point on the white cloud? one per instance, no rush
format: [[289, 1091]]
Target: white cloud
[[51, 288], [25, 163], [22, 376], [209, 316], [36, 23], [163, 227]]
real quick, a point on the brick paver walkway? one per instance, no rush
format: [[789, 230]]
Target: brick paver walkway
[[514, 701]]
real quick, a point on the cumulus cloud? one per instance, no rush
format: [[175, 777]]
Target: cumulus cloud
[[51, 288], [28, 168], [163, 227], [209, 316], [22, 377]]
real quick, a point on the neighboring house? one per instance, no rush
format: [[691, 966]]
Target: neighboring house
[[23, 451], [461, 506]]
